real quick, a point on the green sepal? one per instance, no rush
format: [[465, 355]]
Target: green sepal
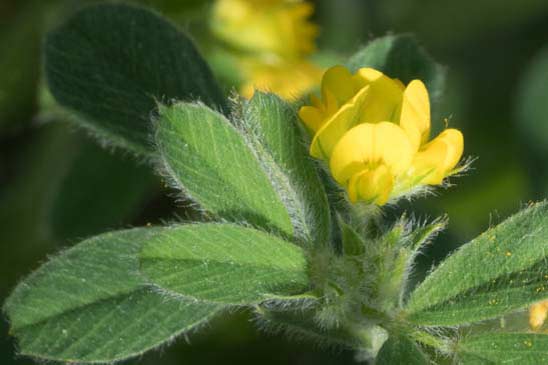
[[353, 243]]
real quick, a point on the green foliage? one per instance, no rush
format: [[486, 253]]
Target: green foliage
[[271, 125], [224, 263], [501, 270], [400, 56], [111, 64], [504, 348], [209, 160], [90, 304], [400, 350], [119, 294]]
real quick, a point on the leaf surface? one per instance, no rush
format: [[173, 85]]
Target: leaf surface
[[504, 348], [111, 63], [209, 160], [224, 263], [272, 125], [90, 304], [499, 271]]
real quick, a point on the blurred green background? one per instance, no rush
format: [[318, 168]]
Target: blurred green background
[[57, 185]]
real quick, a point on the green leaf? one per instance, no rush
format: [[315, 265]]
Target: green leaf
[[272, 126], [504, 348], [400, 350], [90, 304], [209, 160], [224, 263], [501, 270], [110, 63], [400, 56], [502, 295]]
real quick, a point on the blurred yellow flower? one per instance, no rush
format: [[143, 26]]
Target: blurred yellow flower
[[537, 314], [374, 132], [273, 29], [271, 40], [288, 80]]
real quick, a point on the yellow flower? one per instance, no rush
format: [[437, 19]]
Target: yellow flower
[[288, 80], [374, 132], [537, 314], [272, 28]]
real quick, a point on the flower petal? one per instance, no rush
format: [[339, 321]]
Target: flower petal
[[385, 96], [537, 314], [369, 145], [317, 102], [331, 132], [289, 80], [372, 186], [272, 29], [338, 82], [311, 117], [437, 158], [415, 113]]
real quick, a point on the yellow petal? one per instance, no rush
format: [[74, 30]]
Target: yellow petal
[[337, 81], [303, 9], [537, 314], [400, 84], [415, 112], [345, 118], [311, 117], [266, 28], [331, 105], [437, 158], [287, 79], [317, 102], [373, 186], [385, 96], [369, 145]]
